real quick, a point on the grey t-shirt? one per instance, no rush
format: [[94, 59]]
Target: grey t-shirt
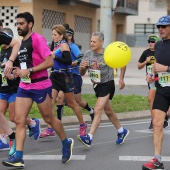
[[99, 71]]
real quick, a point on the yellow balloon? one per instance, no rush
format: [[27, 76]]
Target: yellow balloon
[[117, 54]]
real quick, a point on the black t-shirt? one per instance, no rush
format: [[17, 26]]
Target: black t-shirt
[[146, 54], [162, 53], [4, 38], [12, 84]]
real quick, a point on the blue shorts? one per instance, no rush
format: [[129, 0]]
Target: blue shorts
[[8, 97], [37, 96], [77, 83]]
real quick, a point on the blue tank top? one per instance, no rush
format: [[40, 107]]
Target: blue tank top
[[57, 65]]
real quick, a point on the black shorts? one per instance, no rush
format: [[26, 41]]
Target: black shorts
[[103, 89], [162, 99], [77, 83], [62, 81]]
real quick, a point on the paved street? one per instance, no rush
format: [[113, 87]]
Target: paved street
[[45, 154]]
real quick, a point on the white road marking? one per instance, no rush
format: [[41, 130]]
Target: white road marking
[[105, 125], [142, 158], [52, 157], [166, 131]]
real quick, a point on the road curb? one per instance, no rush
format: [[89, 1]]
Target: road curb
[[72, 120]]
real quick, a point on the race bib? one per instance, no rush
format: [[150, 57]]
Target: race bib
[[23, 65], [149, 69], [95, 75], [26, 79], [164, 78], [4, 80]]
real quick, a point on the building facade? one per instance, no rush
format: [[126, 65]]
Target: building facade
[[140, 26], [83, 16]]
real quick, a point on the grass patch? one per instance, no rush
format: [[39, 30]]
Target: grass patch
[[120, 104]]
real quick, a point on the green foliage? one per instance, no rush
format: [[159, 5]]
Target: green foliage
[[120, 104]]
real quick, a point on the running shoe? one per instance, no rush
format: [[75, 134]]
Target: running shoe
[[12, 144], [67, 151], [3, 146], [151, 126], [36, 130], [83, 129], [47, 133], [13, 161], [122, 136], [85, 140], [154, 164]]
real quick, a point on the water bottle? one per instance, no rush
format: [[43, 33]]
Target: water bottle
[[4, 80]]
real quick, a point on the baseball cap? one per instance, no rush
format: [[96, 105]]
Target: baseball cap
[[153, 38], [164, 20]]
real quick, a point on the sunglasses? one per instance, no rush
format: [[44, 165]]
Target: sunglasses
[[151, 41], [161, 26]]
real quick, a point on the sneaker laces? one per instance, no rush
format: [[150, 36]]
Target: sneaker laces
[[152, 161], [119, 135]]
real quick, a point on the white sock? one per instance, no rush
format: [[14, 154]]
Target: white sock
[[120, 130], [91, 136], [3, 138], [33, 123]]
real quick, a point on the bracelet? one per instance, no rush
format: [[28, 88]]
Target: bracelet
[[11, 60], [168, 69]]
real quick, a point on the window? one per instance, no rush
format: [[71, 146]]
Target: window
[[145, 29]]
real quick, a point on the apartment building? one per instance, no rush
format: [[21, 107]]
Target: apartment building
[[138, 27], [82, 15]]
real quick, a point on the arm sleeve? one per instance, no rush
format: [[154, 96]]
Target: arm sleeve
[[65, 59]]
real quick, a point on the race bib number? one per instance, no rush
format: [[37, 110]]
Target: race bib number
[[164, 78], [149, 69], [95, 75], [26, 79]]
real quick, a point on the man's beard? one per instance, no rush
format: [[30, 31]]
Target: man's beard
[[22, 32]]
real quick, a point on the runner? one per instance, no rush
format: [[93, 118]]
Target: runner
[[35, 86], [102, 77]]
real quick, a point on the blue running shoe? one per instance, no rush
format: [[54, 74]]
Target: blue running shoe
[[12, 144], [67, 151], [85, 140], [36, 130], [13, 161], [3, 146], [122, 136]]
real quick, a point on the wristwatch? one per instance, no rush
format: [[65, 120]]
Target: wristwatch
[[31, 70]]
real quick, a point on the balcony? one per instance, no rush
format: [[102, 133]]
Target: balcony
[[127, 7]]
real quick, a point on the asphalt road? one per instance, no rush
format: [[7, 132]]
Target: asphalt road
[[45, 154]]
